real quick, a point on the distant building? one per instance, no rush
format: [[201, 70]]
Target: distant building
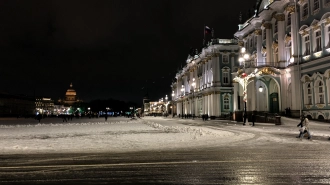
[[16, 105], [70, 97], [44, 105], [146, 105]]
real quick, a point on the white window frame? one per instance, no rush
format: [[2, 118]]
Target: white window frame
[[316, 6], [225, 76], [309, 94], [319, 96], [223, 59], [305, 9], [307, 45], [318, 39], [226, 102]]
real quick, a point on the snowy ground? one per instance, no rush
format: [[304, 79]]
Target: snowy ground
[[124, 136]]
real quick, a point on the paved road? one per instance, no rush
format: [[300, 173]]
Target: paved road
[[240, 163]]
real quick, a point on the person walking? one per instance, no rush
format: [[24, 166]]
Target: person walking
[[305, 124], [106, 116], [253, 119]]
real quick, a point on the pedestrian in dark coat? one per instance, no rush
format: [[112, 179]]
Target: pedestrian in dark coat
[[253, 119], [244, 118]]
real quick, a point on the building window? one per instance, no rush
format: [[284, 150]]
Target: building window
[[318, 41], [307, 46], [316, 5], [225, 58], [226, 103], [225, 77], [309, 94], [320, 93], [289, 19], [305, 11]]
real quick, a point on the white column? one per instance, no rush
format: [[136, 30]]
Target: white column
[[281, 34], [258, 33], [235, 98], [296, 94], [269, 43], [294, 31]]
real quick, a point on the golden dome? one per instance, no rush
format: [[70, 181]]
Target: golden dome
[[70, 91]]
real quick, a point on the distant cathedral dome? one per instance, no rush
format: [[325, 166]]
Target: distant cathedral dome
[[70, 91]]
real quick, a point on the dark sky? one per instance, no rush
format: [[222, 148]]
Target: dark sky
[[106, 48]]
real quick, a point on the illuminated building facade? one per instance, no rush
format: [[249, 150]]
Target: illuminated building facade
[[70, 97], [289, 43], [204, 85]]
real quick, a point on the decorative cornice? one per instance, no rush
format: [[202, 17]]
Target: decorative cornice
[[316, 27], [279, 17], [290, 8], [267, 25], [275, 45], [240, 43], [301, 2], [267, 71], [258, 32], [327, 21], [304, 33]]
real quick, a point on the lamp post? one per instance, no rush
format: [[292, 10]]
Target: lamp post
[[182, 92], [166, 103], [193, 85], [172, 112], [244, 57], [89, 112]]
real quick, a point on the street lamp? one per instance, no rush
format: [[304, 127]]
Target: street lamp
[[194, 85], [182, 92], [244, 57], [89, 112]]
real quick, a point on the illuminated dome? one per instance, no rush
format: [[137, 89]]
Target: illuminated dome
[[70, 91]]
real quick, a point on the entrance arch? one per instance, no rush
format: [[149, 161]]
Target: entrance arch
[[270, 98]]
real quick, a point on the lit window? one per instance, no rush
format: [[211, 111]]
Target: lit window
[[307, 46]]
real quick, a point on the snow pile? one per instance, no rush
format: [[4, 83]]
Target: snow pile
[[192, 131], [117, 136]]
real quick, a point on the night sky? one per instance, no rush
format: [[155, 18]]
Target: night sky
[[118, 49]]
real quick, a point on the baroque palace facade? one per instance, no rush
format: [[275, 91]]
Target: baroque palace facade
[[288, 42]]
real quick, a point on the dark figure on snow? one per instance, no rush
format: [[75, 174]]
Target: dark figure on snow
[[106, 116], [39, 116], [253, 119], [244, 118]]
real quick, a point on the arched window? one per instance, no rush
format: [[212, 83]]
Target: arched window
[[226, 103], [309, 94], [320, 92]]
